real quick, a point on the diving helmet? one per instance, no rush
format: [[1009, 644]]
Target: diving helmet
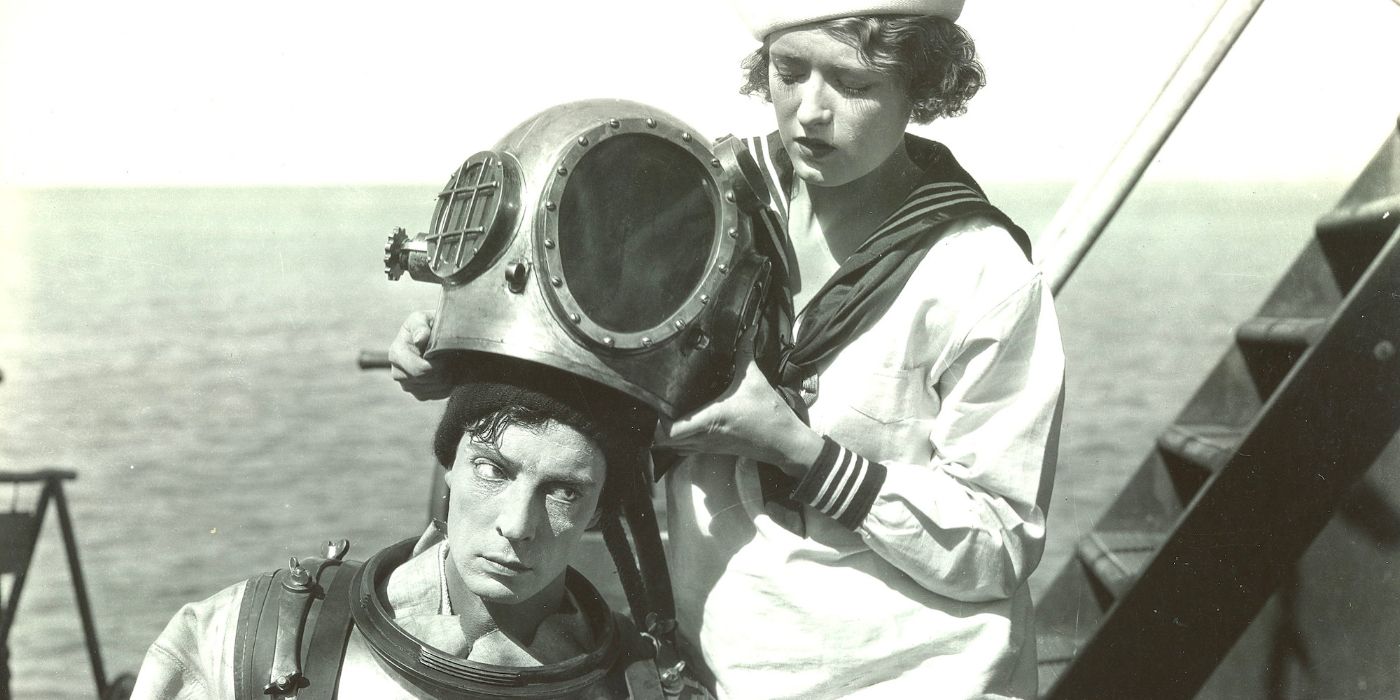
[[604, 238]]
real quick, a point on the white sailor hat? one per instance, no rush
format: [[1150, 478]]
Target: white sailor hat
[[763, 17]]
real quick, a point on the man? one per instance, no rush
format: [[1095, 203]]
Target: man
[[482, 605]]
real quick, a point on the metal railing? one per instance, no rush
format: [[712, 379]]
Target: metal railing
[[21, 534], [1093, 202]]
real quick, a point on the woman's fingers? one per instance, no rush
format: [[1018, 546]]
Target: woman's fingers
[[406, 350], [742, 421], [415, 373], [679, 434]]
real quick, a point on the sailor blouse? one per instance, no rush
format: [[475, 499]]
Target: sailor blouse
[[924, 516], [967, 435]]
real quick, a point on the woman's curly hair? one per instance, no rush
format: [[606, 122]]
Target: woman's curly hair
[[934, 58]]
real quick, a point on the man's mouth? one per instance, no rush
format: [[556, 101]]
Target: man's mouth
[[504, 565]]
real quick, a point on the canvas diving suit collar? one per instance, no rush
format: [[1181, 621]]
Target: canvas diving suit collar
[[453, 678]]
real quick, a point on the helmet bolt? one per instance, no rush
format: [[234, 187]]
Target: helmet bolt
[[337, 550], [298, 578], [517, 274]]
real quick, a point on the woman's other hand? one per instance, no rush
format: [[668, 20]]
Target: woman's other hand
[[750, 419], [415, 373]]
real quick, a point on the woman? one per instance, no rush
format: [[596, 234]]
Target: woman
[[889, 557]]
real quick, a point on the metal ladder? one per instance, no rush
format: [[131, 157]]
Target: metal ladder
[[1296, 412]]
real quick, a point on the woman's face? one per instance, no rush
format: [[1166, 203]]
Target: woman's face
[[839, 119]]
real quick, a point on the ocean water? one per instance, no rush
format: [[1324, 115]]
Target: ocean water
[[191, 354]]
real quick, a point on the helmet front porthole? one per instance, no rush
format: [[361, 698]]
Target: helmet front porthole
[[632, 232]]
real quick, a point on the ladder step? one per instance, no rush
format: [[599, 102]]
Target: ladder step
[[1286, 332], [1272, 345], [1056, 647], [1352, 235], [1054, 651], [1207, 447], [1114, 559], [1375, 217]]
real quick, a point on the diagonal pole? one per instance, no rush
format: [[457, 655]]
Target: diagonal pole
[[70, 544], [1093, 203]]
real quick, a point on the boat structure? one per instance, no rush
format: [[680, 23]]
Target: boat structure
[[1253, 553]]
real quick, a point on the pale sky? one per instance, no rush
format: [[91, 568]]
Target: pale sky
[[190, 92]]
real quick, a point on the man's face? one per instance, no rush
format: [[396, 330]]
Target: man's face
[[519, 509]]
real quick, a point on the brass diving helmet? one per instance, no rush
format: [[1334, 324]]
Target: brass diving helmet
[[604, 238]]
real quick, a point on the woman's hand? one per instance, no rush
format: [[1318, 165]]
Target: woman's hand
[[415, 373], [750, 419]]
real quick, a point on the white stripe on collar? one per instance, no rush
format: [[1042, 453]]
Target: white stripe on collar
[[758, 148], [924, 199]]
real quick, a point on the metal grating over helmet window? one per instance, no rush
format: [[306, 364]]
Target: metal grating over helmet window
[[636, 230], [466, 212]]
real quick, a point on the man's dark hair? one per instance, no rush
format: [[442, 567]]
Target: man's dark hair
[[494, 393]]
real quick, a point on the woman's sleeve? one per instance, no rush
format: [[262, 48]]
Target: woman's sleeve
[[969, 525]]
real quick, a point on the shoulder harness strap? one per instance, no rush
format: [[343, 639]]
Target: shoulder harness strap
[[273, 653]]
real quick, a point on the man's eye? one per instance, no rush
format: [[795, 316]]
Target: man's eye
[[489, 470], [851, 89], [566, 494]]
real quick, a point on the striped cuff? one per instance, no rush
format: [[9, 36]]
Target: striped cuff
[[841, 484]]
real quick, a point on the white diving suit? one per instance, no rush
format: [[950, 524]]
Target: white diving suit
[[384, 629]]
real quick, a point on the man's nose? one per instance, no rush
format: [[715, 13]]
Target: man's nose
[[517, 516]]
